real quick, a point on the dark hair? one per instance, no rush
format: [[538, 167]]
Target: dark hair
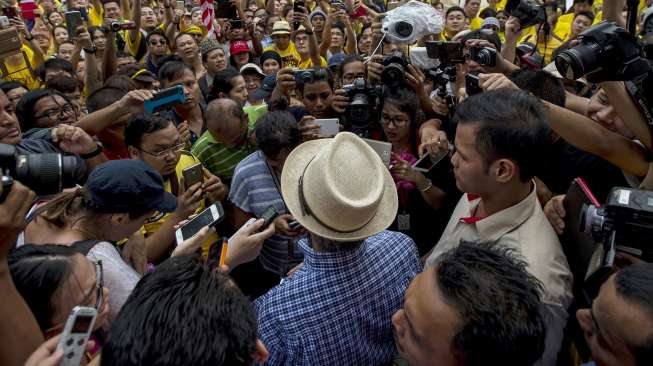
[[487, 13], [141, 124], [406, 101], [156, 32], [454, 8], [270, 54], [183, 313], [63, 84], [480, 34], [25, 107], [121, 82], [519, 133], [7, 86], [53, 64], [315, 75], [635, 284], [173, 70], [587, 14], [38, 271], [346, 61], [276, 131], [498, 302], [222, 83], [340, 25], [591, 2], [104, 97], [541, 84], [180, 34], [93, 29]]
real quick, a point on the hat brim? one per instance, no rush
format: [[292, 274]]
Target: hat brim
[[294, 167], [280, 32], [167, 203]]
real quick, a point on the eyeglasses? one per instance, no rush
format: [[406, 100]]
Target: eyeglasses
[[385, 120], [160, 153], [154, 42], [66, 109], [99, 286]]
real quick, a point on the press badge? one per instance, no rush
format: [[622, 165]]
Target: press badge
[[403, 222]]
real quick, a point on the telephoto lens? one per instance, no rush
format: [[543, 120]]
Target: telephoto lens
[[483, 56]]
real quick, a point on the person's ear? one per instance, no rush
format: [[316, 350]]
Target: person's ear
[[134, 153], [504, 170], [261, 353], [119, 219], [585, 321]]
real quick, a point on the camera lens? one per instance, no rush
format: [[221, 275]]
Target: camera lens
[[393, 75], [485, 56], [578, 61], [359, 109], [46, 173], [403, 29]]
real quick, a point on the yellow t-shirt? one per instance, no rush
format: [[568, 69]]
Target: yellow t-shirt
[[95, 16], [309, 63], [289, 56], [475, 23], [154, 223], [530, 35], [563, 26], [502, 4], [21, 72]]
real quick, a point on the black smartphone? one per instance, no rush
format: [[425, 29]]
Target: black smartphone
[[192, 175], [472, 86], [224, 9], [237, 24], [73, 21], [268, 216], [294, 225], [298, 7]]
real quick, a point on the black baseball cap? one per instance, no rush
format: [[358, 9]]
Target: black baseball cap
[[123, 186], [267, 86]]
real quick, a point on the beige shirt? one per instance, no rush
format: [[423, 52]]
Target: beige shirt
[[524, 228]]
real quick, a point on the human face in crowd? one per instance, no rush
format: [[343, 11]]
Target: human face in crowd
[[454, 23], [365, 42], [165, 140], [469, 167], [269, 23], [425, 327], [249, 15], [301, 43], [56, 18], [252, 82], [472, 7], [241, 59], [80, 289], [318, 23], [612, 326], [186, 47], [99, 39], [352, 71], [81, 70], [9, 127], [502, 17], [317, 99], [235, 34], [439, 7], [216, 61], [191, 88], [66, 51], [157, 46], [43, 39], [270, 66], [395, 123], [580, 23], [53, 110], [231, 131], [277, 7], [239, 92], [337, 38], [196, 18], [282, 41], [15, 94], [112, 11], [600, 110], [160, 13], [60, 35], [582, 7], [148, 18]]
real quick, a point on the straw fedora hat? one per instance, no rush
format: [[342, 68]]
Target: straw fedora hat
[[339, 188]]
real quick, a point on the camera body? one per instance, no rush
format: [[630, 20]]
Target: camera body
[[449, 53], [118, 26], [45, 174], [606, 52], [485, 56], [528, 12], [394, 70], [363, 101]]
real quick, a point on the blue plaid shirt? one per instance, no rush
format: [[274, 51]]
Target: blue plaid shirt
[[337, 308]]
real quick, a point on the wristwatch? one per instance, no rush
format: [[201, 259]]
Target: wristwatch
[[93, 153], [91, 49]]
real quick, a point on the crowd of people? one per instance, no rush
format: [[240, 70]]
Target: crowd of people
[[370, 258]]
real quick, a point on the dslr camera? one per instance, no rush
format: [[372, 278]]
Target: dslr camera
[[529, 12], [45, 174], [485, 56], [363, 102], [395, 68]]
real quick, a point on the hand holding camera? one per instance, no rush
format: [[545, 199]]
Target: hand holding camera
[[340, 101], [375, 69], [415, 79], [73, 140], [495, 81], [285, 80], [13, 210], [83, 39], [245, 245]]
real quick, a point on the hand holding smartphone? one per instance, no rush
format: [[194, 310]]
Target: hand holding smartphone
[[75, 334], [211, 216], [165, 99], [329, 127], [192, 175]]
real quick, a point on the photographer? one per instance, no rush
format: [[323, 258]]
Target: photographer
[[306, 43]]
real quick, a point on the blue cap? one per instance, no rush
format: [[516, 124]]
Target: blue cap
[[123, 186], [267, 86]]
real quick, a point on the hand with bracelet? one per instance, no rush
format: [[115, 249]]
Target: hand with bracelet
[[402, 169]]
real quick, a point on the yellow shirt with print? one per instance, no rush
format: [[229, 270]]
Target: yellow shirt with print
[[95, 16], [21, 72], [475, 23], [308, 64], [154, 223], [289, 56]]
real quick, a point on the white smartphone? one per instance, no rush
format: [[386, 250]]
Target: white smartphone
[[209, 217], [328, 126], [384, 149], [4, 22], [75, 335]]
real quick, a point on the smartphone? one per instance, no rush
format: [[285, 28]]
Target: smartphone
[[165, 99], [472, 86], [73, 21], [4, 22], [211, 216], [224, 9], [237, 23], [328, 127], [298, 7], [294, 225], [192, 175], [382, 148], [75, 334], [10, 42], [9, 11], [427, 162], [268, 216]]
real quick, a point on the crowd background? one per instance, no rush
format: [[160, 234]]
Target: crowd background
[[477, 259]]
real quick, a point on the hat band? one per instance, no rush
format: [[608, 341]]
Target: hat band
[[306, 209]]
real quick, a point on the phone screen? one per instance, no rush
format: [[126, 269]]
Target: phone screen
[[196, 224], [427, 162], [73, 21], [269, 215], [82, 323]]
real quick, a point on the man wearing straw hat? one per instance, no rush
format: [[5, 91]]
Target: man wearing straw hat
[[337, 308]]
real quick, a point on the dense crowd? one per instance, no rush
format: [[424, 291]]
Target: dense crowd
[[385, 183]]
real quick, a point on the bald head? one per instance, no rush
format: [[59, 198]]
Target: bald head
[[226, 121]]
